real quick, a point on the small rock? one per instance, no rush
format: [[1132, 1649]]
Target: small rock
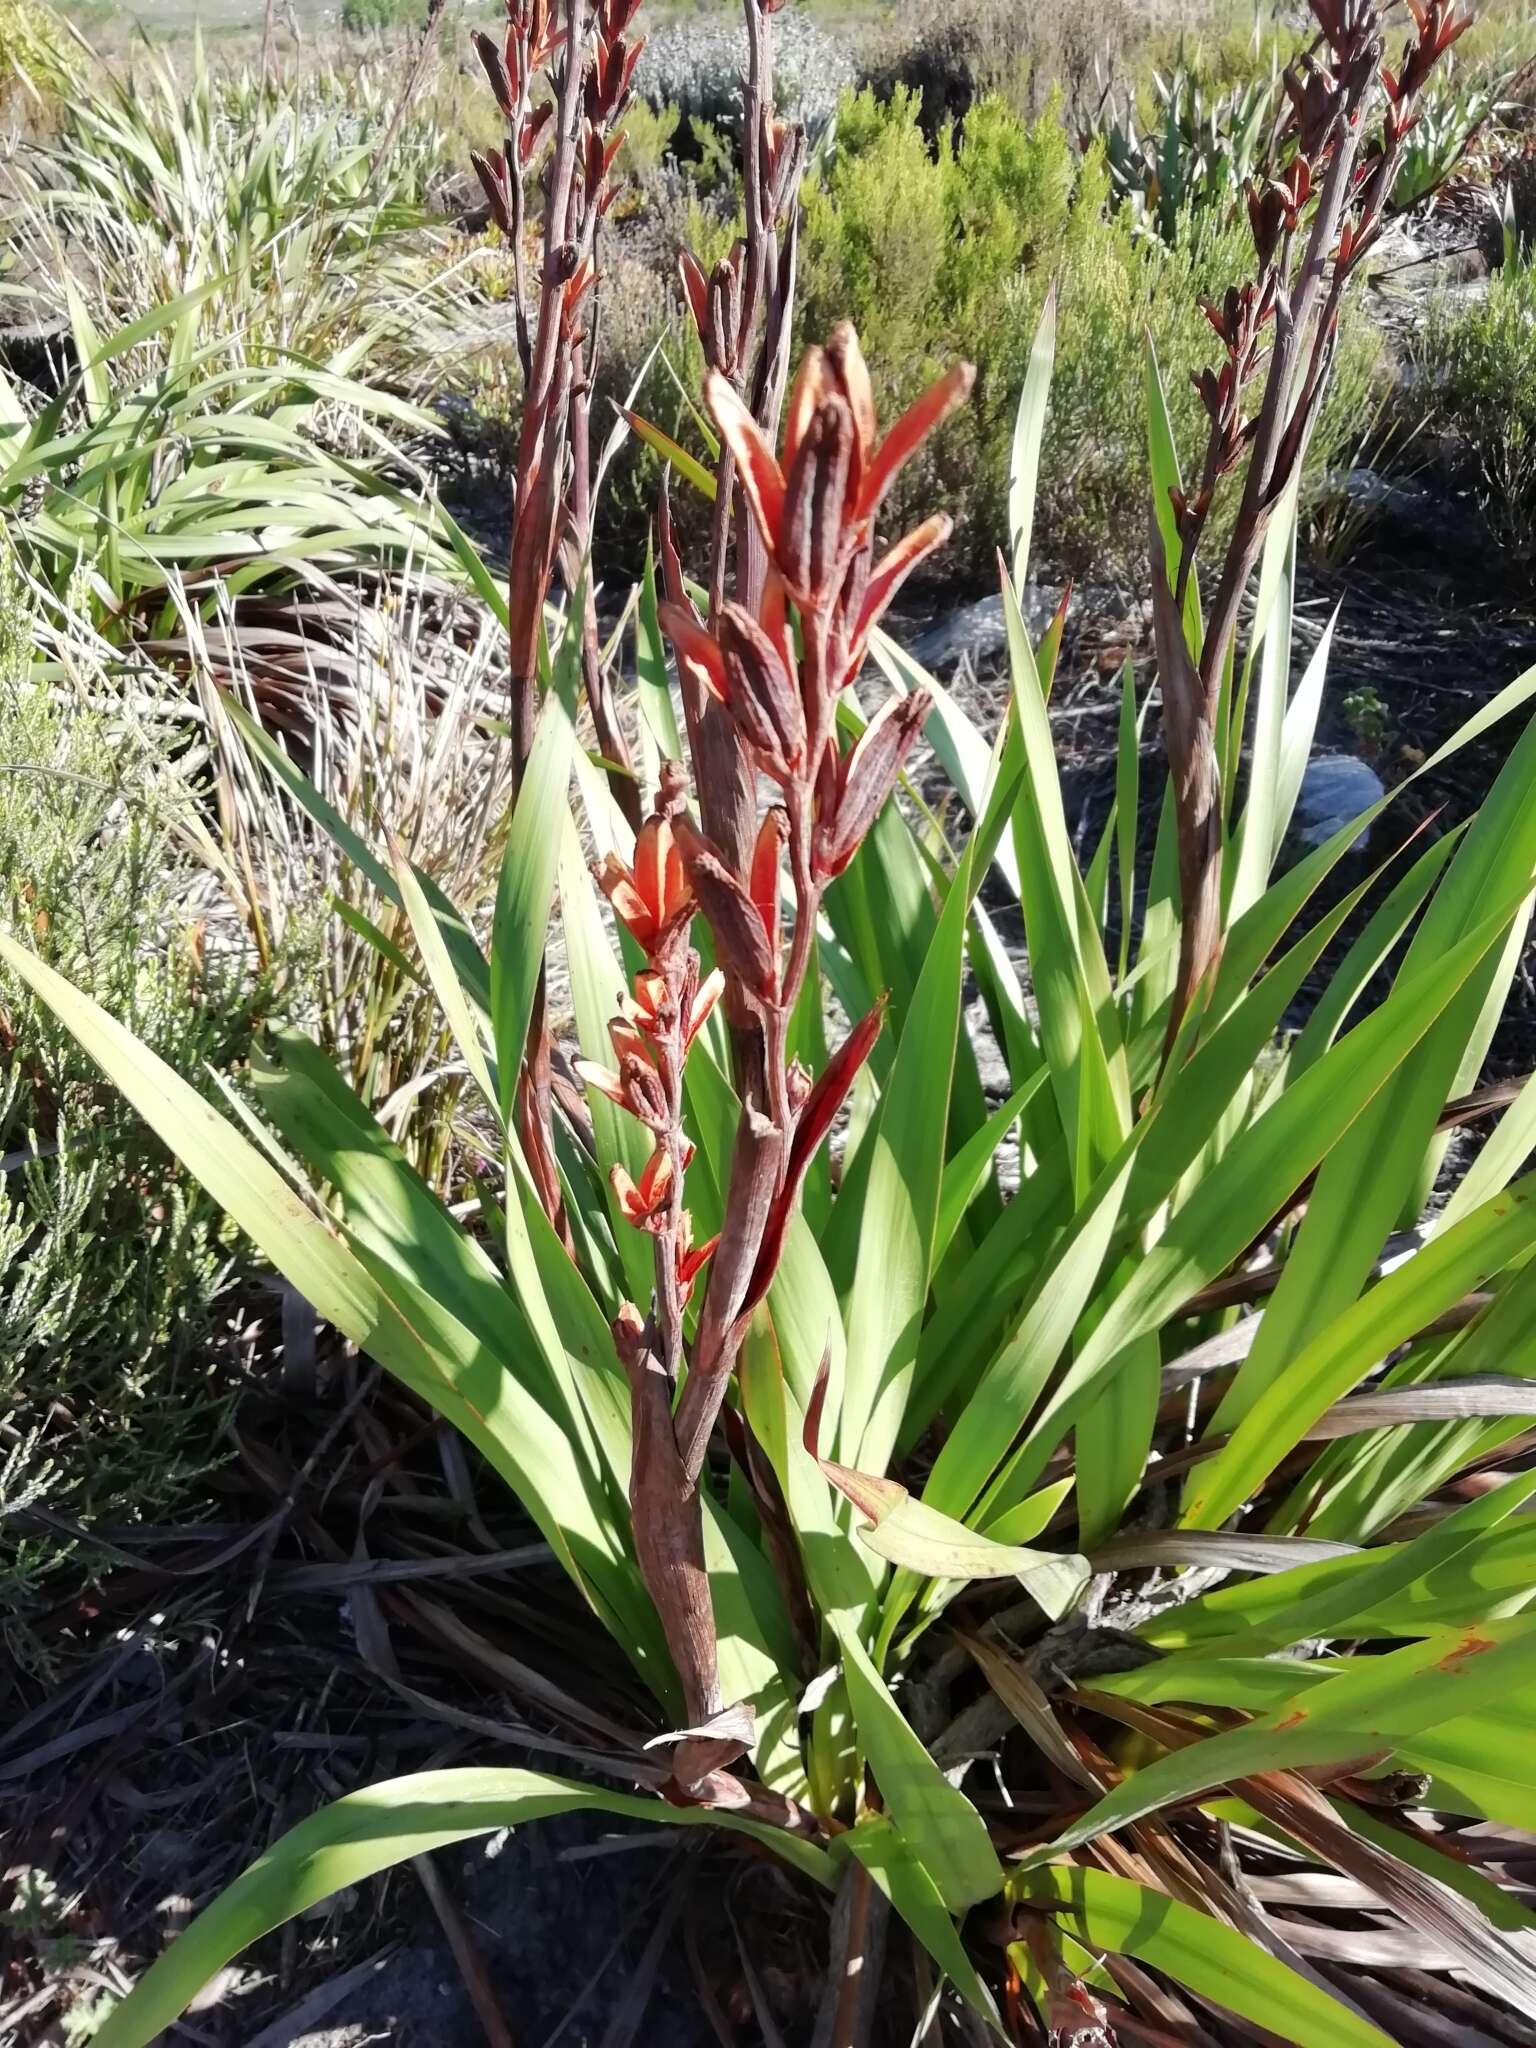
[[164, 1853], [1335, 789], [978, 632], [1412, 513]]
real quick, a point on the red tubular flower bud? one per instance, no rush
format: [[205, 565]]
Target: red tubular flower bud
[[920, 419], [696, 292], [533, 132], [760, 691], [741, 944], [811, 534], [866, 777], [489, 53], [491, 170], [881, 583], [817, 1116], [724, 298], [763, 880]]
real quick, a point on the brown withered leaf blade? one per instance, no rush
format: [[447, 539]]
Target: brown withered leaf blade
[[1029, 1706]]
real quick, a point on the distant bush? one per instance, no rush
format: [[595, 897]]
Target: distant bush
[[648, 137], [362, 17], [112, 1256], [1190, 151], [697, 65], [948, 250], [1479, 362], [37, 56], [1022, 49]]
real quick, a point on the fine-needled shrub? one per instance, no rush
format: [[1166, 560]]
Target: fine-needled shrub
[[36, 54], [113, 1256], [950, 249], [1479, 360]]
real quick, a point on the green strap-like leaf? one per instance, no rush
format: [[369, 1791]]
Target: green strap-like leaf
[[370, 1831], [1345, 1350], [1366, 1182], [945, 1832], [1203, 1954], [890, 1861], [1369, 1705], [1028, 432], [1250, 1184], [527, 883]]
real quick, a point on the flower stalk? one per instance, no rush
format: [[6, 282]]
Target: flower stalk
[[584, 57], [1312, 221], [775, 674]]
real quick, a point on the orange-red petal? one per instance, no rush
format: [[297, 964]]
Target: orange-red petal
[[911, 431], [697, 652], [762, 481], [709, 993], [629, 905], [696, 287], [810, 388], [652, 843], [846, 360], [601, 1078], [888, 575], [763, 878]]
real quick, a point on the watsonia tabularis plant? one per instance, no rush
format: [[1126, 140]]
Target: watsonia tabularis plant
[[775, 1422]]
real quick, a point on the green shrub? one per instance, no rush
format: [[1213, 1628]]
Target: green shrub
[[364, 17], [648, 136], [1478, 358], [949, 251], [113, 1257], [37, 56]]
